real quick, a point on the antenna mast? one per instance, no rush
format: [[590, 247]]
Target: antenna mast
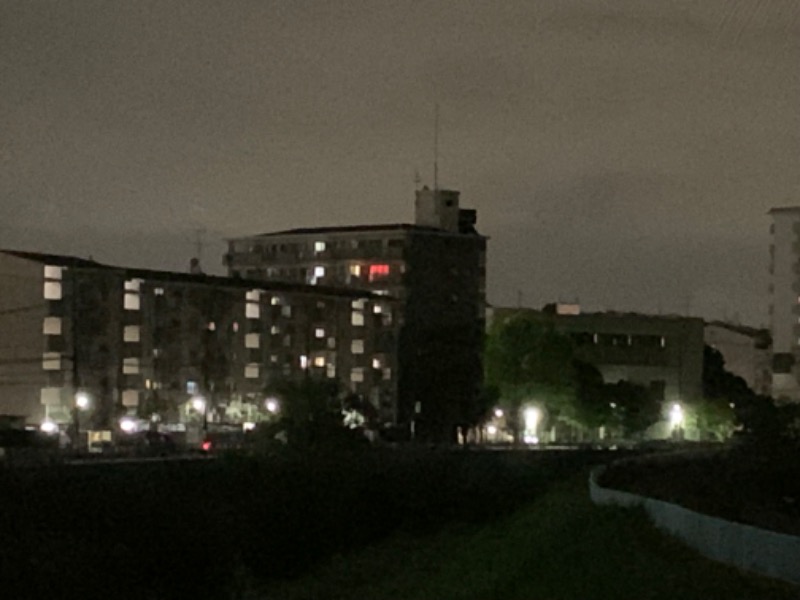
[[436, 148]]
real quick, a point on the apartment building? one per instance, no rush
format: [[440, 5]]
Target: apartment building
[[433, 269], [747, 352], [784, 307], [150, 343]]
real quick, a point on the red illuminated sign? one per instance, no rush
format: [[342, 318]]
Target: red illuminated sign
[[378, 272]]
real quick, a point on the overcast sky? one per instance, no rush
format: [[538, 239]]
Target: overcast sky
[[622, 153]]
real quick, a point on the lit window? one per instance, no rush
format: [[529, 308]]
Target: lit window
[[377, 309], [330, 371], [387, 373], [133, 285], [303, 361], [52, 290], [191, 386], [158, 291], [331, 343], [357, 346], [319, 361], [358, 318], [378, 272], [663, 342], [319, 332], [319, 246], [148, 384], [50, 396], [376, 363], [51, 272], [275, 301], [286, 311], [131, 333], [319, 271], [51, 361], [357, 375], [132, 302], [355, 270], [252, 296], [358, 304], [274, 330], [130, 398], [52, 326], [287, 340], [252, 340], [130, 365], [235, 326], [212, 326], [251, 371], [252, 310]]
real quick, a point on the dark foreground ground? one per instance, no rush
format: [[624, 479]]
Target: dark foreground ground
[[210, 529]]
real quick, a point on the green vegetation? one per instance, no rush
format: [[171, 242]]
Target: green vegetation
[[558, 547], [531, 363]]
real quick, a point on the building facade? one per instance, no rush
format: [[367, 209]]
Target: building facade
[[434, 270], [147, 343], [784, 307], [663, 353], [747, 352]]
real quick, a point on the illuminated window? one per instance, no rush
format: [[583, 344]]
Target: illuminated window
[[357, 375], [130, 365], [252, 310], [357, 346], [330, 371], [274, 330], [252, 296], [319, 361], [376, 363], [51, 361], [51, 326], [331, 343], [319, 246], [51, 272], [377, 309], [319, 332], [357, 318], [130, 398], [131, 333], [273, 358], [319, 271], [251, 371], [358, 304], [52, 290], [158, 291], [355, 270], [252, 340], [303, 361], [133, 285], [663, 342], [275, 301], [50, 396], [378, 272], [235, 327], [212, 326], [387, 373], [132, 302], [191, 386], [286, 311]]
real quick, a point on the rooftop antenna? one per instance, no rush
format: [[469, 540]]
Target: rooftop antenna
[[436, 148]]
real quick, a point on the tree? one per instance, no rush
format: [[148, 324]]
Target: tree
[[727, 400]]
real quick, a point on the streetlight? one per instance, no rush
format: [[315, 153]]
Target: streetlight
[[498, 413], [199, 404], [127, 425], [82, 400], [676, 418], [531, 417], [272, 405], [48, 427]]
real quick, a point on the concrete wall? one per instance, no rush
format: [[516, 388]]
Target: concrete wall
[[764, 552]]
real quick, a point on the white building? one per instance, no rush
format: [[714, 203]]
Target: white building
[[784, 309]]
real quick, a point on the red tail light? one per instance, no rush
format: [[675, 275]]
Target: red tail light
[[206, 446]]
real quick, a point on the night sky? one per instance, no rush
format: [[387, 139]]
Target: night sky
[[622, 153]]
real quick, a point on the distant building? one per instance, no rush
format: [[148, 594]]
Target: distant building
[[663, 353], [784, 308], [747, 352], [434, 268], [143, 342]]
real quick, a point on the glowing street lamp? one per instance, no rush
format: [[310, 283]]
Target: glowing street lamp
[[127, 425], [82, 400], [48, 427], [199, 404], [531, 417], [272, 405], [676, 416], [498, 413]]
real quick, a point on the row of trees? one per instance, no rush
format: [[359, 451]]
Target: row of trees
[[527, 360]]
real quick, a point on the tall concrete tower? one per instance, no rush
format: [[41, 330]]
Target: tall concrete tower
[[784, 308], [437, 208]]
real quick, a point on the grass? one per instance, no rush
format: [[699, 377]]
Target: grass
[[558, 547]]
